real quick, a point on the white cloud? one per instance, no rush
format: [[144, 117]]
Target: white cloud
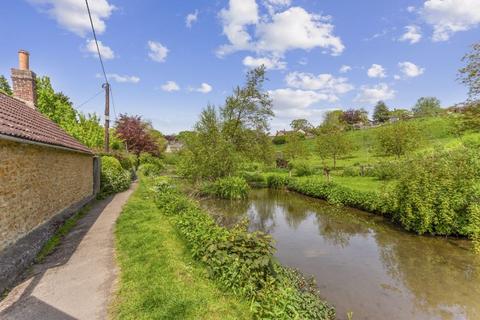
[[412, 34], [106, 52], [204, 88], [325, 83], [397, 77], [345, 69], [275, 5], [273, 63], [372, 94], [410, 70], [191, 18], [170, 86], [157, 52], [376, 71], [123, 78], [72, 14], [450, 16], [235, 19], [292, 103], [294, 28]]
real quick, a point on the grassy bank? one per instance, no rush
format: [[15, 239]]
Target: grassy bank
[[159, 279]]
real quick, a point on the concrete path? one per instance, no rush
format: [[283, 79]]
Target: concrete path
[[77, 281]]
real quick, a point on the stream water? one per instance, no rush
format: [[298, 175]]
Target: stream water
[[361, 262]]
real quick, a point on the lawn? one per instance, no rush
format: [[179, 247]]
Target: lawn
[[159, 279]]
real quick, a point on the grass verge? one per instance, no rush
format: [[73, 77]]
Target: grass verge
[[159, 279]]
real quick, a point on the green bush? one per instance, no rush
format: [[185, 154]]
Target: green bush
[[439, 193], [278, 140], [301, 168], [242, 262], [228, 188], [151, 170], [386, 170], [277, 181], [113, 178]]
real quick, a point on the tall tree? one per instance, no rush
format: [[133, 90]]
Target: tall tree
[[295, 148], [301, 124], [427, 107], [333, 119], [470, 73], [333, 143], [135, 133], [5, 86], [381, 114]]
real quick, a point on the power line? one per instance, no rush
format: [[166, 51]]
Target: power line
[[96, 41], [113, 104], [89, 99]]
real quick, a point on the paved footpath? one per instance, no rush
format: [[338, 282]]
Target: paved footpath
[[77, 281]]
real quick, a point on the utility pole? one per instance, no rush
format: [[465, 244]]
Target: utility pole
[[106, 86]]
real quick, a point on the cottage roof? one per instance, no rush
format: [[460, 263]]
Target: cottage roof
[[21, 121]]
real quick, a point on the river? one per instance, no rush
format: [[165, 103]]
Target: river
[[362, 263]]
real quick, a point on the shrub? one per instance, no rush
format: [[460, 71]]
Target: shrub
[[278, 140], [242, 262], [352, 171], [228, 188], [439, 193], [113, 178], [386, 170], [302, 168], [277, 181]]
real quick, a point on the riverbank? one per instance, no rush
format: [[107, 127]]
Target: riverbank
[[158, 277]]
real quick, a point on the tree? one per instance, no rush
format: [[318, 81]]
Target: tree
[[207, 154], [295, 148], [354, 116], [5, 86], [301, 124], [381, 114], [427, 107], [333, 143], [469, 75], [333, 119], [399, 138], [135, 133]]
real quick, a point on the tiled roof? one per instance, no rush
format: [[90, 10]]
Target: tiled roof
[[20, 121]]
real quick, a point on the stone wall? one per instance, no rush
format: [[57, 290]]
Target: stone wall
[[37, 183]]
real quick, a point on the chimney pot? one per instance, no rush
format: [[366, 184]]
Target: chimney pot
[[23, 60]]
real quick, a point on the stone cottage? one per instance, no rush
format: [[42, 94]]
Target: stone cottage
[[45, 175]]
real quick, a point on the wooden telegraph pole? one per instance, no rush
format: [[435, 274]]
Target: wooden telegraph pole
[[106, 86]]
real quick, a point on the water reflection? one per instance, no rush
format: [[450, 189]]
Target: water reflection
[[362, 263]]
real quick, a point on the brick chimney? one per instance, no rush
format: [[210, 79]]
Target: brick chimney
[[23, 80]]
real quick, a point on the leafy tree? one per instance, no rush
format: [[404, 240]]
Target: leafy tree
[[58, 108], [427, 107], [207, 154], [399, 138], [333, 119], [136, 135], [5, 86], [354, 116], [401, 114], [381, 114], [301, 124], [333, 143], [470, 73], [295, 148]]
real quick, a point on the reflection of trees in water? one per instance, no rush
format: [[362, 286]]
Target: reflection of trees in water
[[444, 278]]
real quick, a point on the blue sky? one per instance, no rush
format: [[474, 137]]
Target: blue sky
[[168, 59]]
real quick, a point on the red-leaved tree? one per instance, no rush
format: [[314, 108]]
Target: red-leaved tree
[[136, 135]]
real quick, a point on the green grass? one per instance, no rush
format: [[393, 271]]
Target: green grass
[[56, 239], [438, 132], [159, 279]]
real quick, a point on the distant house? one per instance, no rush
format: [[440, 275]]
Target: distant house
[[45, 175], [173, 144]]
